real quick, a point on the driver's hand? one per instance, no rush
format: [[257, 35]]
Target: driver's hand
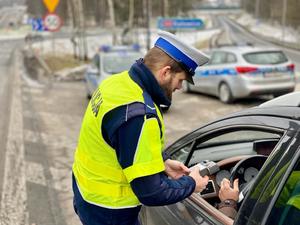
[[201, 182], [226, 192]]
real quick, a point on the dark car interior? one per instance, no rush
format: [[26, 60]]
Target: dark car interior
[[239, 154], [244, 167]]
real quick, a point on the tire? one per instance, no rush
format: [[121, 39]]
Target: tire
[[225, 94], [186, 87]]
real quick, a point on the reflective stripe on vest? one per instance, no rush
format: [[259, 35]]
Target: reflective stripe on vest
[[99, 176]]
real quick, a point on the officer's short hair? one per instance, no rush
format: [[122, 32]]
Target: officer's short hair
[[156, 59]]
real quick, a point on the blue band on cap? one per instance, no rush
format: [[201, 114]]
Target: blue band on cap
[[178, 55]]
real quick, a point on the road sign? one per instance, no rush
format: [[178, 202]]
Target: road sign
[[51, 5], [179, 23], [52, 22], [36, 24]]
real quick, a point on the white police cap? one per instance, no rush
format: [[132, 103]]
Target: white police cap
[[187, 56]]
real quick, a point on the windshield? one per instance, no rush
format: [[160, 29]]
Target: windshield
[[274, 57], [116, 63]]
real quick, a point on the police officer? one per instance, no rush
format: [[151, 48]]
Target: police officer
[[119, 163]]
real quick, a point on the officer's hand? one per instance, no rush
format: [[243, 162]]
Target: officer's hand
[[175, 169], [201, 182], [226, 192]]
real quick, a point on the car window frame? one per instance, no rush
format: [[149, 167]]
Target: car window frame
[[295, 159], [294, 163], [274, 165], [234, 56], [267, 121], [221, 130], [227, 53], [213, 55]]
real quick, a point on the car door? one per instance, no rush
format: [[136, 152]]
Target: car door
[[215, 143], [274, 197], [208, 78]]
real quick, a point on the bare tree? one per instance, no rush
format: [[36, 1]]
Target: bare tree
[[131, 14], [112, 19], [166, 8]]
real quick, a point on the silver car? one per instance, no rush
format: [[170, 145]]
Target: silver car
[[109, 60], [242, 71]]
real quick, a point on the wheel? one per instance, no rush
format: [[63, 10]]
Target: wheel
[[186, 87], [225, 94]]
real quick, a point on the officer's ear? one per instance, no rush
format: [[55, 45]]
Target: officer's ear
[[164, 74]]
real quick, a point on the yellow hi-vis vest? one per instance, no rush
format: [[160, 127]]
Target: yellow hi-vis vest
[[99, 176]]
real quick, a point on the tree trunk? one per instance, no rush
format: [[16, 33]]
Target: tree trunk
[[112, 20], [166, 8], [131, 14]]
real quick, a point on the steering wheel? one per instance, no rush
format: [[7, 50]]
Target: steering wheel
[[238, 171]]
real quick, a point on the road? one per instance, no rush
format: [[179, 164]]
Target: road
[[6, 81]]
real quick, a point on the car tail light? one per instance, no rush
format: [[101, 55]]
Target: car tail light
[[291, 67], [245, 69]]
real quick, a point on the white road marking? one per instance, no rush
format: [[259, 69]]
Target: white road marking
[[14, 197]]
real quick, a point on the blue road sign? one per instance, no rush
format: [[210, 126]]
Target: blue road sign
[[37, 24], [179, 23]]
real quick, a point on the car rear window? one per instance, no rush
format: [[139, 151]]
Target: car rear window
[[272, 57]]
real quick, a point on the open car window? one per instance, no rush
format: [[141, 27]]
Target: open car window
[[228, 144], [232, 143], [182, 154]]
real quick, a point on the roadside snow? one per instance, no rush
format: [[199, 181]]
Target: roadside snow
[[65, 46], [269, 29]]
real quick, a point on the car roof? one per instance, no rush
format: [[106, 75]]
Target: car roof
[[245, 49], [286, 106], [291, 99]]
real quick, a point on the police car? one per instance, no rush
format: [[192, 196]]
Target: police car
[[241, 71], [109, 60]]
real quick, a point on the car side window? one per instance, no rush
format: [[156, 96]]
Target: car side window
[[287, 207], [232, 143], [231, 58], [218, 58], [182, 154], [241, 136]]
